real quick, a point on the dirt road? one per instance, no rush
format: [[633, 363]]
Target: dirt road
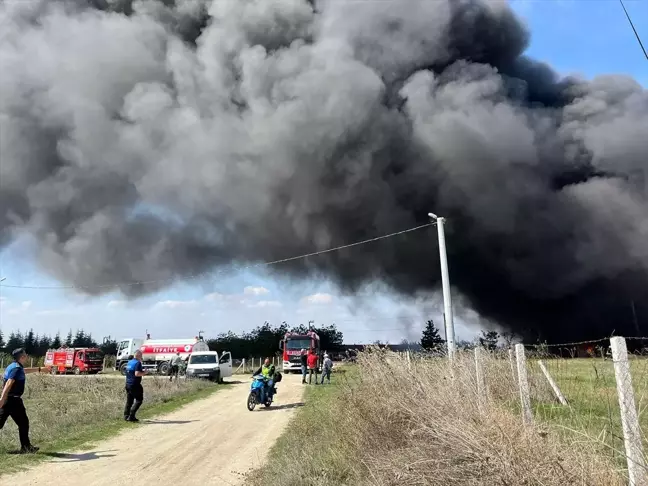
[[212, 441]]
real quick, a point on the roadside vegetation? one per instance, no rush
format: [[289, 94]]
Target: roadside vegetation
[[390, 422], [66, 412]]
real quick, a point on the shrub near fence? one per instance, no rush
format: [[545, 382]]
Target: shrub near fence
[[593, 393]]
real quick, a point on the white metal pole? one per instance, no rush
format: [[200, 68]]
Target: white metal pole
[[445, 284]]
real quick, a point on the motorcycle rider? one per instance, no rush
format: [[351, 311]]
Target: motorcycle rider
[[268, 372]]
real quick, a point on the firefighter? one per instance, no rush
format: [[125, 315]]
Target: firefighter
[[134, 389], [11, 403]]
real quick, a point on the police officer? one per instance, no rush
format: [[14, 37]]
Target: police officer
[[134, 389], [11, 403]]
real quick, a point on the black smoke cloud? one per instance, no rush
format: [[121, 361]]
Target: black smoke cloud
[[150, 140]]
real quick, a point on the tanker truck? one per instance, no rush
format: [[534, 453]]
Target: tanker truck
[[156, 353]]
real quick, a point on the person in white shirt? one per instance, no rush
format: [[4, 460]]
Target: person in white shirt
[[174, 369], [327, 367]]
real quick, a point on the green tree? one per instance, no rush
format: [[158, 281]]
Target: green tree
[[56, 342], [44, 343], [431, 339], [109, 347], [489, 339], [15, 341], [69, 339], [30, 343]]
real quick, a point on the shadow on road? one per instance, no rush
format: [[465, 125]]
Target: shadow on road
[[287, 406], [167, 422], [233, 382], [80, 457]]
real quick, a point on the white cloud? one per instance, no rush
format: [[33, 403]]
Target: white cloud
[[26, 304], [116, 304], [266, 303], [176, 304], [318, 299], [215, 297], [257, 291]]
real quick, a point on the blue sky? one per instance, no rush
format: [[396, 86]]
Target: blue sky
[[586, 37]]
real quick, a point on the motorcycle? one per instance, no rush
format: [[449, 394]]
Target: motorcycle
[[259, 383], [258, 392]]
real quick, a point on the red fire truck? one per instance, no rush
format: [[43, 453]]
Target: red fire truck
[[74, 360], [292, 344]]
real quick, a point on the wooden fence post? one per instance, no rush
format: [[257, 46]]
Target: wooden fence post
[[481, 382], [629, 419], [552, 383], [523, 384]]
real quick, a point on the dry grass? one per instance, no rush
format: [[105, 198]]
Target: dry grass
[[394, 423], [66, 411]]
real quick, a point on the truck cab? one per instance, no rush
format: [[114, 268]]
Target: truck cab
[[207, 364]]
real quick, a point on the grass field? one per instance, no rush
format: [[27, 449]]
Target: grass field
[[589, 386], [396, 423], [66, 412], [311, 452]]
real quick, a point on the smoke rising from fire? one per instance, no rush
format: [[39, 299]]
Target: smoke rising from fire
[[150, 140]]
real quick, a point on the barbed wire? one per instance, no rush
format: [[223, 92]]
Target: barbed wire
[[214, 272]]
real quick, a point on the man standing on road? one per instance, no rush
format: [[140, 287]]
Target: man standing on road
[[304, 365], [327, 366], [134, 389], [11, 403], [311, 360], [174, 369]]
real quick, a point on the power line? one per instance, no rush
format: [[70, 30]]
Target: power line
[[264, 264], [634, 30]]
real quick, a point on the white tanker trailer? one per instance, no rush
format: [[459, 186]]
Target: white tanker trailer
[[156, 353]]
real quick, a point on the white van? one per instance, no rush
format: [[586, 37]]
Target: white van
[[207, 364]]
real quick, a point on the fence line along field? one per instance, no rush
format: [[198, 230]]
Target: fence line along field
[[66, 412]]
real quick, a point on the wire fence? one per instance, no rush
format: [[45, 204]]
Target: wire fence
[[594, 392]]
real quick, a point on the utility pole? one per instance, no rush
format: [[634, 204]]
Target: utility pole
[[445, 285]]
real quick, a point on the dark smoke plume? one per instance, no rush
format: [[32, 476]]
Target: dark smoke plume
[[149, 139]]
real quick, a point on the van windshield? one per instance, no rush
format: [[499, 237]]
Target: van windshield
[[203, 359]]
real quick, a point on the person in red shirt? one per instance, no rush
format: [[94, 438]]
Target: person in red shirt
[[311, 360]]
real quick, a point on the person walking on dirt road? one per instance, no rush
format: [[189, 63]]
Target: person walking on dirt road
[[311, 360], [134, 389], [174, 367], [11, 403], [304, 365]]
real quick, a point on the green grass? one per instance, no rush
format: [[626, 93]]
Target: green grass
[[589, 386], [71, 412], [311, 451]]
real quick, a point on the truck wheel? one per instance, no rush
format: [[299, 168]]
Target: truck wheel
[[217, 377], [76, 370], [164, 368], [53, 370], [122, 369]]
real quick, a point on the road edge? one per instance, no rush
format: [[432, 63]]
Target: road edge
[[109, 429]]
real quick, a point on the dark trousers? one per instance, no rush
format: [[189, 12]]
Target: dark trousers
[[15, 408], [134, 399], [173, 371], [312, 371]]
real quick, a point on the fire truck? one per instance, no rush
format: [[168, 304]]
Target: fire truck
[[74, 360], [292, 344], [157, 353]]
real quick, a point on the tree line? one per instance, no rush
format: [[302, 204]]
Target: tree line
[[264, 340], [37, 345], [261, 341]]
